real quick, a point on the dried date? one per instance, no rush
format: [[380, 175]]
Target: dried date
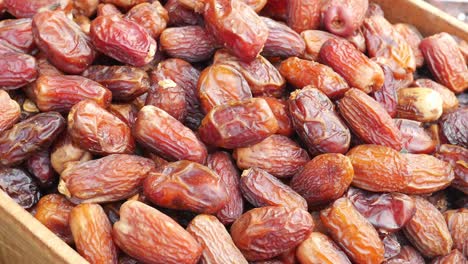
[[18, 32], [151, 16], [10, 110], [282, 41], [17, 70], [53, 211], [20, 186], [319, 248]]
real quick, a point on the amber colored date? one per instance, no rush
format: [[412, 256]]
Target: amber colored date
[[301, 73], [238, 124], [445, 61], [276, 154], [369, 120], [10, 110], [314, 39], [65, 153], [276, 9], [126, 83], [92, 233], [317, 123], [29, 136], [111, 178], [66, 46], [217, 243], [123, 40], [21, 9], [427, 230], [53, 211], [223, 165], [186, 185], [246, 37], [97, 130], [61, 92], [303, 14], [280, 109], [153, 237], [18, 32], [356, 236], [161, 133], [319, 248], [449, 100], [455, 256], [358, 70], [323, 179], [219, 84], [266, 232], [151, 16], [282, 41], [414, 137], [20, 186], [262, 189], [17, 70], [413, 37]]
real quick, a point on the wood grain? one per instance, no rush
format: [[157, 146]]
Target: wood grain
[[23, 239]]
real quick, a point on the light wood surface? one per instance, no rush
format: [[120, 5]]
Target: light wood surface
[[24, 240], [427, 18]]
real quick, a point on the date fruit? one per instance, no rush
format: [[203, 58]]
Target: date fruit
[[343, 17], [40, 167], [454, 126], [419, 104], [303, 14], [17, 70], [22, 9], [18, 33], [414, 137], [280, 109], [413, 37], [457, 220], [168, 96], [407, 255], [455, 256], [20, 186], [53, 211], [449, 100], [457, 157], [319, 248], [10, 110], [282, 41], [151, 16], [66, 153], [314, 39]]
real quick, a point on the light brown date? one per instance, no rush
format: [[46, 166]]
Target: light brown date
[[53, 211], [420, 104], [319, 248]]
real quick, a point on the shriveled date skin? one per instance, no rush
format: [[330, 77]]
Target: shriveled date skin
[[277, 154], [343, 17], [123, 40], [40, 167], [445, 61], [53, 211], [213, 236], [387, 211], [301, 73], [457, 157], [10, 110], [454, 126], [457, 220], [66, 153], [151, 16], [18, 32], [369, 120], [358, 70], [111, 178], [168, 96], [282, 41], [223, 165], [262, 189], [407, 255], [29, 136], [16, 70], [219, 84], [413, 37], [319, 248], [97, 130], [92, 233], [154, 237], [191, 43], [21, 9], [356, 236], [427, 230], [237, 26], [263, 78], [180, 15], [420, 104], [449, 100], [280, 109], [108, 9], [317, 123], [303, 14], [414, 137], [266, 232], [61, 92], [324, 178], [186, 185], [455, 256], [20, 186], [66, 46], [238, 124], [161, 133], [126, 83], [378, 168], [314, 39], [427, 174]]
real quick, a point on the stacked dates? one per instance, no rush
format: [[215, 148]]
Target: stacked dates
[[235, 131]]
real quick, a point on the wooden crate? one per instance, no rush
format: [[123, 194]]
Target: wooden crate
[[23, 240]]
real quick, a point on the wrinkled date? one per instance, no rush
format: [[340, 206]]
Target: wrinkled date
[[126, 83], [29, 136], [20, 186], [40, 167], [123, 40], [125, 112], [97, 130], [280, 109], [457, 157], [10, 110], [414, 137], [314, 39], [16, 70], [344, 17], [324, 178], [369, 120], [153, 237], [151, 16], [420, 104], [449, 100], [238, 124], [186, 185], [413, 37], [455, 256], [66, 46], [266, 232], [161, 133], [18, 32], [92, 233], [356, 236], [407, 255], [317, 123], [111, 178], [237, 26], [179, 15], [262, 189], [65, 153], [22, 9], [457, 220], [53, 211], [168, 96], [454, 126], [319, 248], [61, 92], [303, 14], [282, 41]]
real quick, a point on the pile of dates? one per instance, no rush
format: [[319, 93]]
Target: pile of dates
[[235, 131]]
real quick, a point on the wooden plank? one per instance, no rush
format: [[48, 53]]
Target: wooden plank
[[23, 239], [427, 18]]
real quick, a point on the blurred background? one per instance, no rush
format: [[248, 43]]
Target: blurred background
[[456, 8]]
